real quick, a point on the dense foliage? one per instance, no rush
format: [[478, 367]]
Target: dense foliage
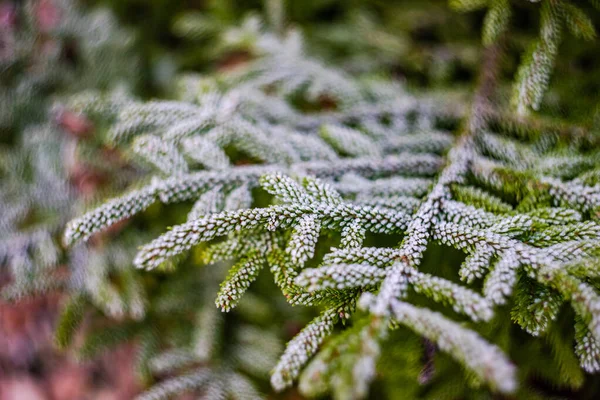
[[411, 179]]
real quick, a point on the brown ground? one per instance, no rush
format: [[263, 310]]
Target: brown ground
[[32, 369]]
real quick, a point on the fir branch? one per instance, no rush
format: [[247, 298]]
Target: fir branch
[[486, 360], [301, 348]]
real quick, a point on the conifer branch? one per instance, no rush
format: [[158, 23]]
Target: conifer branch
[[521, 204]]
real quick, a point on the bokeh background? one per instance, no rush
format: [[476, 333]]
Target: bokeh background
[[52, 49]]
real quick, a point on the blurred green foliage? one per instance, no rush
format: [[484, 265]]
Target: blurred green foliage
[[424, 43]]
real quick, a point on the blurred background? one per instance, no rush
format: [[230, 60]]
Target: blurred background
[[53, 49]]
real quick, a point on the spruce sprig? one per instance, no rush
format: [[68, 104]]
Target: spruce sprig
[[370, 167]]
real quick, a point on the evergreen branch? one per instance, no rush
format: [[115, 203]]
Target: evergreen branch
[[301, 348], [484, 359]]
